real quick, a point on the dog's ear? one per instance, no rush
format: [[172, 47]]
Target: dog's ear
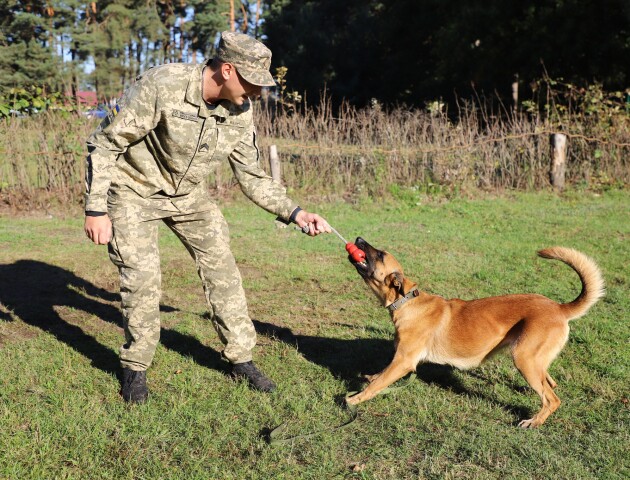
[[397, 281]]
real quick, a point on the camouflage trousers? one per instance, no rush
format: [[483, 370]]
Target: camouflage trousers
[[200, 226]]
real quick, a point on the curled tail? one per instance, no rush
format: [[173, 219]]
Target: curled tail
[[590, 275]]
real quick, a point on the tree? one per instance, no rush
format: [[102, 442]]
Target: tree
[[27, 54], [412, 51], [67, 45], [210, 18]]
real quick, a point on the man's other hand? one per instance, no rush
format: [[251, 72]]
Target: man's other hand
[[98, 229]]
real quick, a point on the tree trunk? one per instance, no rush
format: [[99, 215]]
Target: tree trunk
[[232, 20]]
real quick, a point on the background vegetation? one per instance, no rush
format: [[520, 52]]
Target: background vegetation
[[67, 46], [442, 120], [319, 326], [367, 153], [404, 51], [411, 51]]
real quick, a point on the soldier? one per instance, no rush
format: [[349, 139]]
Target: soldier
[[147, 161]]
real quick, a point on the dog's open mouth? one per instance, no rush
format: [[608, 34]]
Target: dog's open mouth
[[362, 267]]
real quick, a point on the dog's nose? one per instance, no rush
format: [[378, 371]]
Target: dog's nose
[[359, 241]]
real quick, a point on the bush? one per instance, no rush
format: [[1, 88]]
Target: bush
[[369, 152]]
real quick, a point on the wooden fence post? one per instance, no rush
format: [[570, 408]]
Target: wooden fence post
[[558, 160], [515, 94], [276, 174], [274, 163]]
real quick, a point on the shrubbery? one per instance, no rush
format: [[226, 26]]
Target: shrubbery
[[370, 152]]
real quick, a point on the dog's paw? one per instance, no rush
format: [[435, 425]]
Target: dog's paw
[[531, 423], [353, 400]]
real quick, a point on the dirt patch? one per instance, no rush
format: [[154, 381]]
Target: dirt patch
[[15, 331], [90, 323], [41, 203], [67, 202]]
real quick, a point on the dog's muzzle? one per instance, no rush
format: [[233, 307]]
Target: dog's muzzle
[[362, 267]]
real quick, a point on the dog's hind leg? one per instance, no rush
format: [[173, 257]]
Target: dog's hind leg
[[550, 401], [532, 358]]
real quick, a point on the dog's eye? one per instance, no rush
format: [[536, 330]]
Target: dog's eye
[[380, 255]]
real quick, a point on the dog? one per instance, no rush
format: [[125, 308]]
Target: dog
[[430, 328]]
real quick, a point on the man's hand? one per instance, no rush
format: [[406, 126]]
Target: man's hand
[[316, 224], [98, 229]]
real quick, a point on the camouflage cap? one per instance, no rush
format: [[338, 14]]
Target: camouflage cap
[[250, 57]]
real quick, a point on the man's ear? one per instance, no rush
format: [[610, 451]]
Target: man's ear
[[396, 280], [227, 70]]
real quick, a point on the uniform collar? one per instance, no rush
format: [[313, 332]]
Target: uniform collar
[[193, 90], [193, 96]]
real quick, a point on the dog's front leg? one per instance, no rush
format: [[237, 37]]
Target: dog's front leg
[[371, 378], [400, 366]]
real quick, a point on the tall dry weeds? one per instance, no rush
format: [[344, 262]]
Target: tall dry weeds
[[368, 150], [42, 160], [357, 152]]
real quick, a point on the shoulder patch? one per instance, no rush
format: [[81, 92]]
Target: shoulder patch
[[112, 114]]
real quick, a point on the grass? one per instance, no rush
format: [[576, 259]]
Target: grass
[[61, 416]]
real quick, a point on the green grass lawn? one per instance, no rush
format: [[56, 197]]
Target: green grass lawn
[[320, 327]]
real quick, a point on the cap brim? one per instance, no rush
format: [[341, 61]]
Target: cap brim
[[261, 78]]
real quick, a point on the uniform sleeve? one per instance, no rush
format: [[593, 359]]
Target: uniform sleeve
[[130, 120], [254, 181]]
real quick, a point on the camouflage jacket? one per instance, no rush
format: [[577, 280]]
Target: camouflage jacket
[[162, 137]]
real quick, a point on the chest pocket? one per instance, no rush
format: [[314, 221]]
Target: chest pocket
[[178, 134], [202, 161], [207, 145], [228, 135], [214, 147]]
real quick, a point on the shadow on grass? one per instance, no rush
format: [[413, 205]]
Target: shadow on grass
[[33, 290], [347, 359], [189, 346]]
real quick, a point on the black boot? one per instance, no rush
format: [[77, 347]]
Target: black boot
[[255, 377], [134, 386]]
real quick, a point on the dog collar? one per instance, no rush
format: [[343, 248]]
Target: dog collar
[[402, 300]]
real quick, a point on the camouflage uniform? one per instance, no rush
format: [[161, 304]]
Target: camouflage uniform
[[148, 161]]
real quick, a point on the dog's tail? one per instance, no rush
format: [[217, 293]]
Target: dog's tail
[[590, 275]]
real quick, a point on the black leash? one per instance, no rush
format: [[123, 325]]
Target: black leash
[[275, 436]]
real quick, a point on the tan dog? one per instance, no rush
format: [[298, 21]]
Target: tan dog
[[462, 333]]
